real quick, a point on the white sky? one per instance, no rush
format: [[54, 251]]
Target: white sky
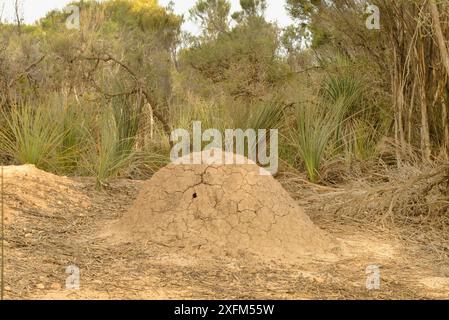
[[35, 9]]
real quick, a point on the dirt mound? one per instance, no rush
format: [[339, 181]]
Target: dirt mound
[[35, 191], [224, 209]]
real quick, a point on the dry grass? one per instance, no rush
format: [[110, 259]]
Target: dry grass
[[411, 203]]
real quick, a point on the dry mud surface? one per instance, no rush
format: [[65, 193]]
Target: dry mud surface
[[53, 222], [215, 210]]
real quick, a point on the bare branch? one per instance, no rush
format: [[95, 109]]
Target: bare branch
[[26, 71]]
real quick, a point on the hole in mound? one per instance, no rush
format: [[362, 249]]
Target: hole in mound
[[194, 196]]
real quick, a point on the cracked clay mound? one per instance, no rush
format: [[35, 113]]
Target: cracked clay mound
[[222, 209]]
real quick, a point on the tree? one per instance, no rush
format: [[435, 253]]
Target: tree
[[251, 9], [243, 62], [409, 48], [444, 53], [18, 14], [212, 16], [439, 34]]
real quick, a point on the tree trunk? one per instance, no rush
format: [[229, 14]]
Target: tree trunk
[[445, 126], [439, 34], [422, 76], [18, 17], [425, 136]]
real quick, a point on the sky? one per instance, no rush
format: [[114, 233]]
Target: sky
[[35, 9]]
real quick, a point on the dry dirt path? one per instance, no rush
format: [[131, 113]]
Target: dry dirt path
[[53, 222]]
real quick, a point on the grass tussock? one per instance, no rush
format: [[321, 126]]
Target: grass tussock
[[32, 135]]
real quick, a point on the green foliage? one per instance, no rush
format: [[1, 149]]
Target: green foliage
[[360, 139], [242, 63], [111, 149], [345, 87], [212, 15], [32, 134], [269, 115], [100, 100], [315, 127], [306, 12], [250, 9], [302, 9]]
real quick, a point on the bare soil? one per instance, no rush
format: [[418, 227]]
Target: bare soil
[[53, 222]]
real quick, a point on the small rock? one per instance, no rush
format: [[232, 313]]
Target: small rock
[[55, 286], [28, 235], [7, 288], [85, 204], [40, 286]]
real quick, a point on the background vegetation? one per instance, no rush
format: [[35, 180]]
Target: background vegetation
[[102, 100]]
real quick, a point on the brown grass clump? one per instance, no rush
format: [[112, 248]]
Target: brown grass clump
[[411, 201]]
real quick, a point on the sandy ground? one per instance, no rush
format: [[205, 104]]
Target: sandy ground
[[54, 222]]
